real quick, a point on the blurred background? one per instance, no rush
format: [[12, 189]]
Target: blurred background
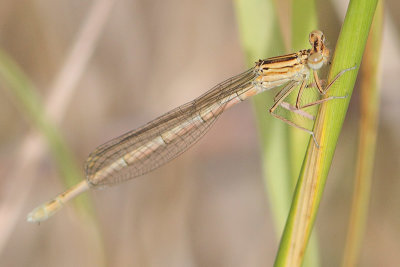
[[136, 60]]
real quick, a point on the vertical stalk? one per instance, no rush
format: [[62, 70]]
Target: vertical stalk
[[349, 50], [366, 142]]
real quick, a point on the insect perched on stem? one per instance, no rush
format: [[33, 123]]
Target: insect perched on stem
[[159, 141]]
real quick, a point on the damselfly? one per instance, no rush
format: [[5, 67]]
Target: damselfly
[[159, 141]]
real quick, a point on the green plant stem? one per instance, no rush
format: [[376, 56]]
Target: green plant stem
[[309, 189], [367, 141]]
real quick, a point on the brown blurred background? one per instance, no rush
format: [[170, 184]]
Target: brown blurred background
[[207, 208]]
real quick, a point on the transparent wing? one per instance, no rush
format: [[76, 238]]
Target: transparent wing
[[145, 141]]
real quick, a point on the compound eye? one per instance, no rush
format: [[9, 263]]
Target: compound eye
[[315, 61], [315, 36]]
